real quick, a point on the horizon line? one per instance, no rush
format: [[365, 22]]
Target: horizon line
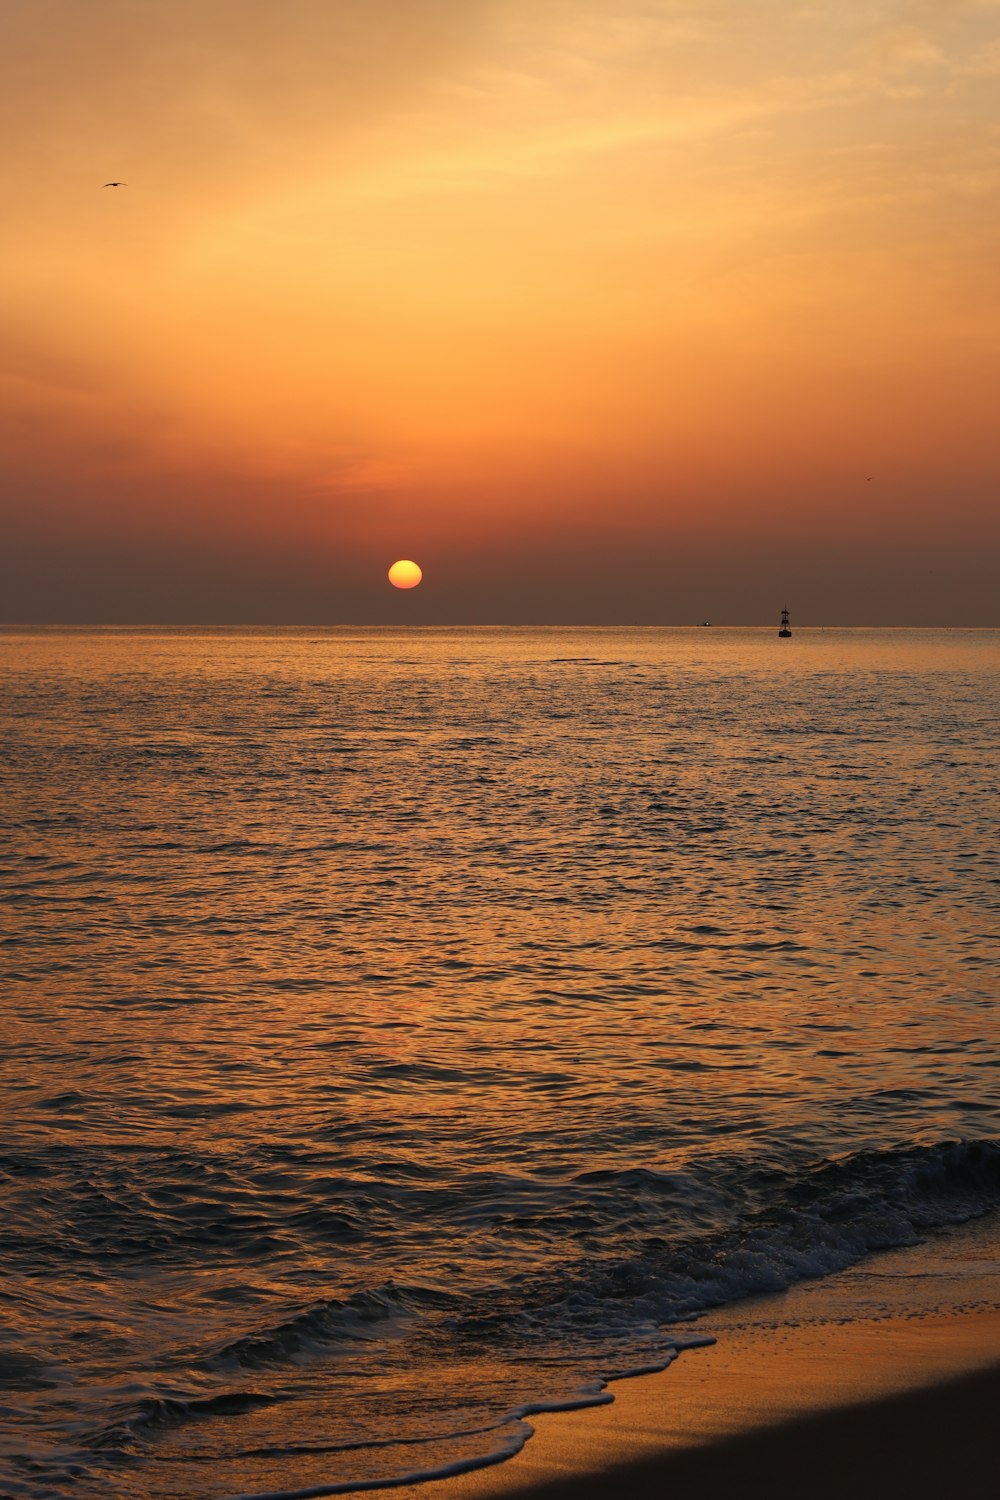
[[234, 625]]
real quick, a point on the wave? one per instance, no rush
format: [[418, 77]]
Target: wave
[[321, 1330], [774, 1226], [796, 1225], [533, 1340], [150, 1415]]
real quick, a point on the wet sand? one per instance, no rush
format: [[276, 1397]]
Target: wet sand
[[868, 1384], [820, 1413]]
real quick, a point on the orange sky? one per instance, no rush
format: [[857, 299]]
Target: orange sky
[[599, 309]]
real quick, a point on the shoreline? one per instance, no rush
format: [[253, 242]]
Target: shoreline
[[883, 1379], [734, 1415], [933, 1439]]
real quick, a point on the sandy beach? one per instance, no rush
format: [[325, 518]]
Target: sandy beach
[[816, 1414], [868, 1384]]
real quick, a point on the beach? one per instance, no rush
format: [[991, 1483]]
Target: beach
[[931, 1440], [883, 1381]]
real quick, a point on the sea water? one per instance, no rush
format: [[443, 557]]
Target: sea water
[[403, 1029]]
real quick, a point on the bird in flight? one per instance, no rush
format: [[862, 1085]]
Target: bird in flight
[[116, 184]]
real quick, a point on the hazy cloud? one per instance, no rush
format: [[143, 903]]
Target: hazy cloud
[[430, 269]]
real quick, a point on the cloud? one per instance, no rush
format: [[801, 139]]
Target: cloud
[[358, 475], [405, 254], [901, 50], [985, 62]]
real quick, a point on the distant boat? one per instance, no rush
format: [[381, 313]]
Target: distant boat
[[786, 629]]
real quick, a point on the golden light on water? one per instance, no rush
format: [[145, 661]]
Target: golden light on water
[[405, 574]]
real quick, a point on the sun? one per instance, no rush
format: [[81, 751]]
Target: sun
[[404, 574]]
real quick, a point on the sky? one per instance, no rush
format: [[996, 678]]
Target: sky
[[603, 311]]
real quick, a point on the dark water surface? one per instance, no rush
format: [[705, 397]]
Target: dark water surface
[[400, 1029]]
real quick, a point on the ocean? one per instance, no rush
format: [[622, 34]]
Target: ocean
[[403, 1031]]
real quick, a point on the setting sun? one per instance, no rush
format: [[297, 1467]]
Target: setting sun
[[405, 574]]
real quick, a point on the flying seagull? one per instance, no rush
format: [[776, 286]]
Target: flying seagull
[[116, 184]]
